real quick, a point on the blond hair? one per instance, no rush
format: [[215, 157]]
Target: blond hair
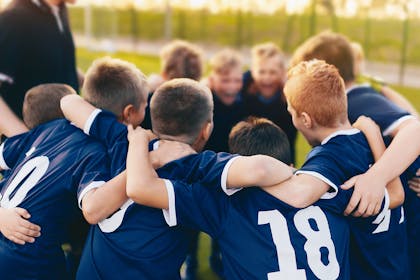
[[266, 51], [225, 60], [316, 88], [181, 59]]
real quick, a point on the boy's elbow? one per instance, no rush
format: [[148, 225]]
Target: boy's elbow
[[91, 215], [133, 192]]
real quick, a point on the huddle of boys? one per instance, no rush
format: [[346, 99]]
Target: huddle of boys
[[292, 225]]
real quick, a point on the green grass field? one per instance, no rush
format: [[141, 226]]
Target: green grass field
[[150, 64]]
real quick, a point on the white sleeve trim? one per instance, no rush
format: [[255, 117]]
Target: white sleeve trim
[[223, 180], [382, 214], [3, 164], [91, 186], [155, 145], [90, 120], [6, 78], [396, 124], [327, 195], [170, 213]]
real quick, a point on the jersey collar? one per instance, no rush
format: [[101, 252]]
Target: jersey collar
[[340, 132]]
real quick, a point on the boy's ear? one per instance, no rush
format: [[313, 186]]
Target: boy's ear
[[127, 112], [306, 120]]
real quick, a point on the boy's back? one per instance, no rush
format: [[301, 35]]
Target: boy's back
[[115, 244], [51, 166]]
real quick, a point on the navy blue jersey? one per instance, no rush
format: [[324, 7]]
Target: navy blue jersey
[[378, 244], [262, 237], [50, 167], [224, 118], [364, 100], [136, 242]]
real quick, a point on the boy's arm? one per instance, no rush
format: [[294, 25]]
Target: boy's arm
[[143, 184], [76, 109], [258, 170], [99, 203], [377, 145], [10, 124], [14, 225], [396, 158]]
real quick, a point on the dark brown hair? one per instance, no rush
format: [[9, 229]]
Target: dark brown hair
[[259, 136], [180, 108]]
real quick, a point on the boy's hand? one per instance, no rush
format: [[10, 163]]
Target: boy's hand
[[139, 134], [367, 196], [366, 125], [15, 226], [169, 151], [414, 183]]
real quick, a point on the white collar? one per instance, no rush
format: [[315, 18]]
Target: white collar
[[350, 131]]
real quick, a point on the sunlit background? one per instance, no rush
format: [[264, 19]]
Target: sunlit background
[[347, 8]]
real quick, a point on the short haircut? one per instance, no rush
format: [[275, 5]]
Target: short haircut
[[225, 60], [181, 59], [180, 108], [42, 103], [316, 88], [112, 84], [259, 136], [332, 47], [266, 51]]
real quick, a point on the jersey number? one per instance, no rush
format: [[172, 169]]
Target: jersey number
[[315, 240], [27, 177]]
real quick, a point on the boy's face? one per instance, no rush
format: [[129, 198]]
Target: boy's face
[[226, 86], [269, 76]]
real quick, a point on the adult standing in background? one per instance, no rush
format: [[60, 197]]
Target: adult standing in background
[[36, 47]]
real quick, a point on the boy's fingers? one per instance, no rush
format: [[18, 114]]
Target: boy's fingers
[[370, 210], [24, 238], [354, 201], [22, 212], [16, 240], [349, 183], [29, 232]]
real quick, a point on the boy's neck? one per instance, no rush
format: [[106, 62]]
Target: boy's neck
[[323, 132]]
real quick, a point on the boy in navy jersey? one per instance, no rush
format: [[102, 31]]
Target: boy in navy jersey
[[49, 170], [136, 241], [225, 82], [262, 90], [245, 210], [392, 120]]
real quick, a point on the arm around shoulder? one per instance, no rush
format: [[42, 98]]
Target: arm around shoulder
[[257, 170], [76, 109]]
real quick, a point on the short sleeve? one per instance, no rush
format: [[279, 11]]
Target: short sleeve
[[214, 168], [11, 149], [196, 206], [104, 127], [94, 172], [371, 104], [324, 167]]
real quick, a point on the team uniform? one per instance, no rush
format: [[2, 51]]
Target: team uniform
[[135, 242], [50, 169], [261, 237], [274, 109], [378, 244], [364, 100]]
